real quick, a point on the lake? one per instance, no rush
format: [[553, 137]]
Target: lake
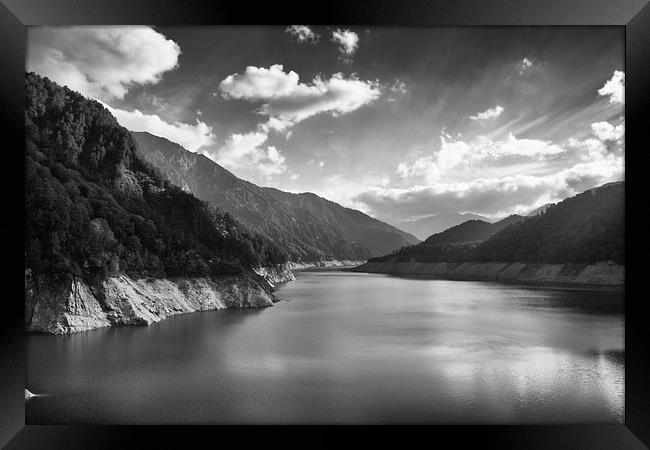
[[349, 348]]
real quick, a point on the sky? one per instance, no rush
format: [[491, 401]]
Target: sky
[[400, 123]]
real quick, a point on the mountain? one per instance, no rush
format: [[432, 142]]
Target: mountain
[[94, 208], [426, 226], [472, 231], [308, 227], [541, 210], [586, 228]]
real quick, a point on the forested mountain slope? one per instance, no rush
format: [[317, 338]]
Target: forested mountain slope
[[94, 207], [586, 228], [308, 227]]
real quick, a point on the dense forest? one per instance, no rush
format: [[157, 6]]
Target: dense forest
[[582, 229], [95, 208]]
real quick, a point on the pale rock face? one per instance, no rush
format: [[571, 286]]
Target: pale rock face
[[605, 273], [60, 307], [323, 264]]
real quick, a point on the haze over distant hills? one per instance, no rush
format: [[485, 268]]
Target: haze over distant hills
[[308, 227], [426, 226]]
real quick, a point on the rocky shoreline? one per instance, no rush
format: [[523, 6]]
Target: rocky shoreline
[[606, 273], [291, 265], [59, 306]]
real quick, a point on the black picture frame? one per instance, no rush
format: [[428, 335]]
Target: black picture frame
[[633, 15]]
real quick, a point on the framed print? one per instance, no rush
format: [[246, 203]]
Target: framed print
[[394, 214]]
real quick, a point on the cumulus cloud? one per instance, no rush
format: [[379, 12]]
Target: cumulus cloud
[[285, 98], [491, 196], [455, 155], [245, 154], [348, 42], [192, 137], [441, 186], [614, 88], [302, 34], [101, 62], [607, 138], [286, 101], [524, 65], [605, 131], [104, 62], [490, 113]]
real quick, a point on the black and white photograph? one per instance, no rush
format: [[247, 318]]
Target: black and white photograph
[[324, 224]]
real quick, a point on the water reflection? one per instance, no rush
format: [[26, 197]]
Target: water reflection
[[349, 348]]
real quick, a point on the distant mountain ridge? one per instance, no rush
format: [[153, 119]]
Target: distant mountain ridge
[[472, 231], [541, 210], [587, 228], [424, 227], [306, 226]]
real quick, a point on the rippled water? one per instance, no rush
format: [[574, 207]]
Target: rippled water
[[349, 348]]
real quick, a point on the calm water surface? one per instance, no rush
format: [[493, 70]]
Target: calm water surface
[[349, 348]]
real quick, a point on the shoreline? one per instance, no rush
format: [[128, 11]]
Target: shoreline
[[325, 264], [604, 274], [60, 306]]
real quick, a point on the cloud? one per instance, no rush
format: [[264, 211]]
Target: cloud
[[491, 196], [348, 42], [192, 137], [284, 97], [398, 87], [244, 153], [488, 114], [456, 155], [302, 34], [524, 65], [446, 181], [605, 131], [286, 101], [102, 62], [277, 125], [614, 88], [607, 139]]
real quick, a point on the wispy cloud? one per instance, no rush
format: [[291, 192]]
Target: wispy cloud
[[490, 113]]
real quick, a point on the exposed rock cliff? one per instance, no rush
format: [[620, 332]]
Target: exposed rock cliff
[[605, 273], [323, 264], [69, 306]]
